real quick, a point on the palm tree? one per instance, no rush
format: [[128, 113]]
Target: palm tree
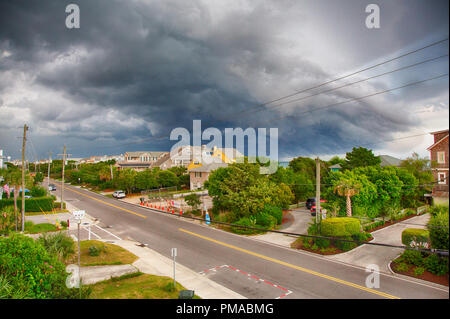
[[348, 187]]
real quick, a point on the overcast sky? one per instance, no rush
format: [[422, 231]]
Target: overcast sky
[[135, 70]]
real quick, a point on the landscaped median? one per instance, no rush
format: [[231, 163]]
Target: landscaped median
[[346, 228], [423, 265]]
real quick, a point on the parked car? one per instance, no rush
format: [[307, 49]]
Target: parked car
[[119, 194], [310, 202], [52, 187], [313, 210]]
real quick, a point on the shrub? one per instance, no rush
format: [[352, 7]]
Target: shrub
[[32, 272], [96, 250], [413, 257], [438, 209], [340, 227], [373, 225], [436, 265], [322, 242], [345, 245], [64, 224], [275, 212], [38, 191], [245, 221], [361, 237], [58, 244], [402, 267], [265, 220], [439, 234], [419, 271], [414, 237]]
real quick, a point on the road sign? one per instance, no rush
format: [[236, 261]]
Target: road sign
[[79, 214], [174, 252]]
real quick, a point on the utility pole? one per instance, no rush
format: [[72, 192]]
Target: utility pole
[[48, 171], [318, 212], [25, 129], [62, 184], [112, 176]]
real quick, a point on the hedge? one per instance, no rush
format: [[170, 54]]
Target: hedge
[[415, 237], [34, 204], [439, 235], [340, 227]]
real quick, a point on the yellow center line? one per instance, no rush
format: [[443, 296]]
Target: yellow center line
[[99, 200], [347, 283]]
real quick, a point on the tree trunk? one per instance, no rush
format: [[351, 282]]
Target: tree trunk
[[349, 206], [15, 204]]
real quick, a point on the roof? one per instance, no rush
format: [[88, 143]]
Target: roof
[[429, 148], [208, 167], [437, 132], [139, 153], [336, 166], [139, 164], [387, 160]]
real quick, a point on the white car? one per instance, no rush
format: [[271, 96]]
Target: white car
[[119, 194]]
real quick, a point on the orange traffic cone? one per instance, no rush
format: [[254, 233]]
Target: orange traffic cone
[[147, 205], [181, 212], [172, 211]]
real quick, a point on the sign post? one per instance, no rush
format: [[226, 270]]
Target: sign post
[[174, 255], [79, 214]]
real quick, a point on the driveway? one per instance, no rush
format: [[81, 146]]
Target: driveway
[[298, 222]]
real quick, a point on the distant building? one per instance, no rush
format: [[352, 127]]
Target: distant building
[[439, 163], [199, 171], [200, 174], [141, 160], [387, 160], [335, 167]]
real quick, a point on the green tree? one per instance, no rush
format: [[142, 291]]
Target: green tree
[[146, 180], [166, 178], [38, 178], [361, 157], [126, 179]]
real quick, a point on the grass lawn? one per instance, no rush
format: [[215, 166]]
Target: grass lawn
[[32, 228], [110, 254], [137, 286]]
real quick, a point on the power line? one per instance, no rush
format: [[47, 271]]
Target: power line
[[259, 109], [363, 97], [356, 72]]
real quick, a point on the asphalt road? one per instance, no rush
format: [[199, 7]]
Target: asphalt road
[[201, 248]]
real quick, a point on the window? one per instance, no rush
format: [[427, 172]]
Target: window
[[442, 178], [198, 174], [441, 157]]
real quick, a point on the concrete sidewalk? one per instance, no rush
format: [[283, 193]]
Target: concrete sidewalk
[[367, 254], [151, 262]]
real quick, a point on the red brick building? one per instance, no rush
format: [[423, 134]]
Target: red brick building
[[439, 162]]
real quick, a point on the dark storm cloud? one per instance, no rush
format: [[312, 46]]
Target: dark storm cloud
[[140, 68]]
